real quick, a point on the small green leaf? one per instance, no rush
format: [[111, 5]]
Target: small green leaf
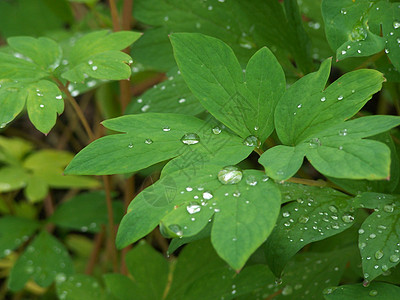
[[98, 55], [12, 101], [152, 138], [12, 178], [317, 214], [36, 189], [16, 68], [42, 260], [376, 290], [43, 51], [14, 231], [214, 75], [85, 212], [379, 237], [79, 286], [282, 162]]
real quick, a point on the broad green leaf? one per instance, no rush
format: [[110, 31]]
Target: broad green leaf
[[353, 28], [379, 235], [383, 186], [15, 67], [119, 286], [43, 51], [317, 214], [14, 231], [44, 102], [152, 138], [98, 55], [215, 77], [282, 162], [85, 212], [153, 273], [36, 189], [309, 107], [306, 276], [376, 290], [79, 286], [169, 96], [12, 101], [185, 202], [42, 260]]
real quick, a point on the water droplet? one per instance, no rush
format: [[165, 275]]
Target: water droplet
[[90, 62], [251, 180], [94, 68], [230, 175], [361, 231], [41, 105], [323, 99], [299, 106], [252, 141], [373, 293], [216, 130], [303, 219], [314, 143], [182, 100], [340, 97], [348, 218], [372, 236], [396, 24], [176, 229], [343, 132], [59, 97], [190, 138], [236, 194], [193, 208], [148, 141], [207, 195], [286, 214], [130, 145], [343, 11], [388, 208], [358, 33], [166, 128], [333, 208], [343, 52], [394, 258], [379, 254]]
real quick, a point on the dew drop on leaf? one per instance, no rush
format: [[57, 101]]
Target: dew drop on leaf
[[176, 229], [333, 208], [193, 208], [358, 33], [396, 24], [252, 141], [314, 143], [148, 141], [251, 180], [216, 130], [373, 293], [348, 218], [166, 128], [190, 138], [303, 219], [378, 254], [394, 258], [207, 195], [230, 175]]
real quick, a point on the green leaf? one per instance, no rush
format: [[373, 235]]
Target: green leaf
[[184, 203], [42, 260], [12, 178], [169, 96], [85, 212], [44, 102], [353, 29], [17, 68], [43, 51], [120, 286], [154, 273], [215, 77], [36, 189], [152, 138], [282, 162], [78, 287], [178, 242], [379, 236], [98, 55], [14, 231], [12, 101], [317, 214], [376, 290]]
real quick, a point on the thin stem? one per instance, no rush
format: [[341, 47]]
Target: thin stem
[[127, 14], [95, 251], [114, 15], [76, 107], [49, 210], [259, 151]]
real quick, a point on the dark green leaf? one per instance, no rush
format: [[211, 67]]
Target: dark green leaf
[[376, 290], [79, 287]]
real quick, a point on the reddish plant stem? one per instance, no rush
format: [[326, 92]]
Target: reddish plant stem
[[114, 15], [49, 210], [98, 240]]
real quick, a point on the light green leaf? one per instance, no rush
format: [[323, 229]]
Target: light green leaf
[[282, 162], [379, 236], [79, 286], [42, 260], [12, 178], [85, 212], [12, 101], [16, 68], [98, 55], [353, 28], [14, 149], [36, 189], [308, 107], [317, 214], [215, 77], [43, 51], [169, 96], [376, 290], [44, 102], [14, 231], [152, 138], [242, 219]]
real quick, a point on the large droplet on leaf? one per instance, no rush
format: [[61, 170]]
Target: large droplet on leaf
[[230, 175], [190, 138], [252, 141]]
